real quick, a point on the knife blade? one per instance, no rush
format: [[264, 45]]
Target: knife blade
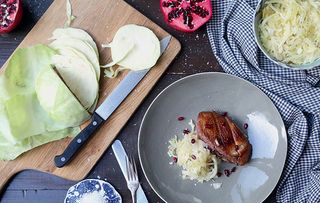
[[105, 110], [121, 157]]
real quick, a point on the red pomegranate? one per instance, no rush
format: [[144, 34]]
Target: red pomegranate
[[186, 15], [10, 15]]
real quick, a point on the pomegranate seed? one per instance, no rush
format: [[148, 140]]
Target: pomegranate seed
[[193, 157], [233, 169], [180, 118], [225, 114], [219, 174], [245, 125], [236, 147], [186, 131], [175, 159], [193, 141], [227, 172], [207, 125]]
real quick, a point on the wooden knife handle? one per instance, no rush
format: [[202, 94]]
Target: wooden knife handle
[[79, 141]]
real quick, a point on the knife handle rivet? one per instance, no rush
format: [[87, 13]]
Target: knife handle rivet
[[63, 159], [79, 141], [94, 123]]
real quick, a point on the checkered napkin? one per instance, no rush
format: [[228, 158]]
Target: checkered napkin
[[294, 93]]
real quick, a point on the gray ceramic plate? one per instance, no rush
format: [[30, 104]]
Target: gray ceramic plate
[[245, 104]]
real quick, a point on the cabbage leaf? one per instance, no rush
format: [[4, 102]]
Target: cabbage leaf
[[36, 107]]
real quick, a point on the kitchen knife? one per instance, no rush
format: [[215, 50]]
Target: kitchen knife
[[105, 110], [121, 157]]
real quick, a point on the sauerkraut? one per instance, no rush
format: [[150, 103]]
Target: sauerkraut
[[192, 154], [290, 30]]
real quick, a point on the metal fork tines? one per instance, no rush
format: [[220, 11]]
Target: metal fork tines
[[132, 177]]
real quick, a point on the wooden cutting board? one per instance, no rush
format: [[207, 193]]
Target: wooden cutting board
[[101, 18]]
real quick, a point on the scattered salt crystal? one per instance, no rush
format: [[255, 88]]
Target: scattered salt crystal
[[216, 185], [95, 196]]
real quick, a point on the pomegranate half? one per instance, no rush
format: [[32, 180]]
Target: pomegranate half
[[10, 15], [186, 15]]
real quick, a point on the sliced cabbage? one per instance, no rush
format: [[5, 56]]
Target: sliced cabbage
[[24, 66], [79, 75], [70, 17], [76, 34], [27, 118], [82, 47], [24, 123], [119, 49], [134, 47], [4, 95], [5, 129], [36, 107], [290, 30], [8, 151], [56, 99], [18, 79]]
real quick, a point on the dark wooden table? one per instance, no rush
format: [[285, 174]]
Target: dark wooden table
[[196, 56]]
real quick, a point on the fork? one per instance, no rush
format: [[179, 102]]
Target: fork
[[132, 177]]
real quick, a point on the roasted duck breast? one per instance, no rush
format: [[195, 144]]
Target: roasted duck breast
[[223, 137]]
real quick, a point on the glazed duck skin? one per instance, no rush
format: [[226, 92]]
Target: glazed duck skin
[[222, 136]]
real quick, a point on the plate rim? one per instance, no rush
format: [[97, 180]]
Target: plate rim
[[195, 75]]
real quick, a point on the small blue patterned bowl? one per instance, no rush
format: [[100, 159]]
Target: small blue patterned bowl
[[105, 189]]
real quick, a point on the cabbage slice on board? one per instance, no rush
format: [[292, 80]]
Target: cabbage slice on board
[[24, 123], [27, 118], [133, 47], [24, 66], [56, 99], [146, 50], [76, 33], [79, 75], [10, 152], [20, 114], [120, 47], [5, 129], [82, 47]]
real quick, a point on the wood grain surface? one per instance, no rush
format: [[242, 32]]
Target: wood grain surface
[[196, 56], [109, 16]]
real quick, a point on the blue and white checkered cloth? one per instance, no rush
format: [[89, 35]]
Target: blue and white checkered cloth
[[295, 94]]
